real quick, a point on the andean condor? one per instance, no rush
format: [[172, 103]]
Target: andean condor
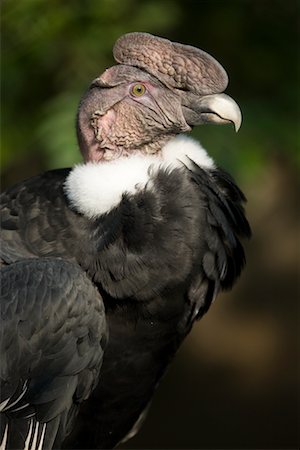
[[106, 266]]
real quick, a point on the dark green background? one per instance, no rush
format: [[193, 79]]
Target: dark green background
[[234, 382]]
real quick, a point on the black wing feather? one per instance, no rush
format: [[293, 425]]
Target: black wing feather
[[224, 257], [53, 333]]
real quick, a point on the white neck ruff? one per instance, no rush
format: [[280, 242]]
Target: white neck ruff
[[94, 189]]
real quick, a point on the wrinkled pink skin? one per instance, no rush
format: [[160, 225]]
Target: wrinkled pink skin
[[101, 125], [113, 122]]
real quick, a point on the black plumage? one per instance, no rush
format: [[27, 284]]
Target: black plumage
[[53, 334], [154, 261]]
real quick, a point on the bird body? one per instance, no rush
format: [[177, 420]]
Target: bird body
[[140, 237]]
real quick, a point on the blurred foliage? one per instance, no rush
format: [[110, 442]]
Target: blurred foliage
[[52, 50]]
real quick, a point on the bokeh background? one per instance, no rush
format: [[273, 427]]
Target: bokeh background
[[234, 382]]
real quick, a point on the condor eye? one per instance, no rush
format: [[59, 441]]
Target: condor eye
[[138, 90]]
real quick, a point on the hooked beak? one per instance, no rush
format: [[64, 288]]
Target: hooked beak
[[215, 108]]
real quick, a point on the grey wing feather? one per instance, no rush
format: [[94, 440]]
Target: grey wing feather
[[53, 334]]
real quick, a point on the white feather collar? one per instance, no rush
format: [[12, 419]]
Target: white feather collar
[[96, 188]]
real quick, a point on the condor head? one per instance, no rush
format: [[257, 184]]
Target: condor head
[[158, 90]]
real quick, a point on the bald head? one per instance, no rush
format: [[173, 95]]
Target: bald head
[[158, 89]]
